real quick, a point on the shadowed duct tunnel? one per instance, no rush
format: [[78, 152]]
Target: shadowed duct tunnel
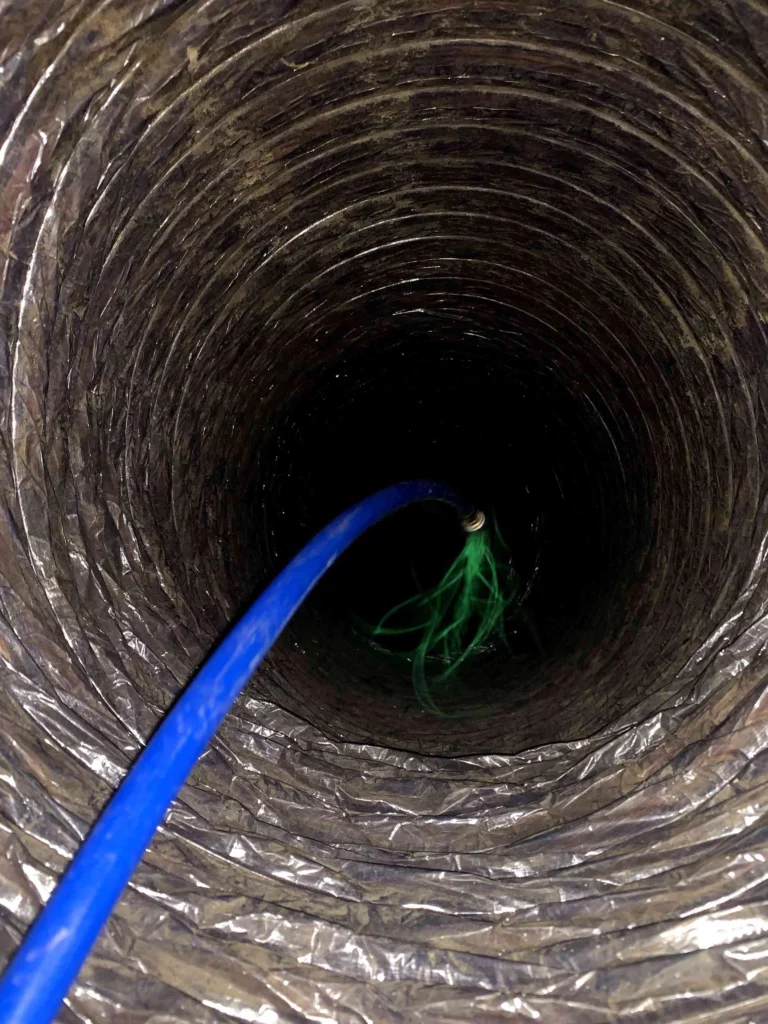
[[258, 259]]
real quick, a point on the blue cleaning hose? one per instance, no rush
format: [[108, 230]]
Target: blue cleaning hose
[[56, 945]]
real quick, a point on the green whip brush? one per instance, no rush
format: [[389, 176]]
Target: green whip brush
[[462, 616]]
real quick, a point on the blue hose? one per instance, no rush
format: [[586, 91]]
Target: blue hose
[[56, 945]]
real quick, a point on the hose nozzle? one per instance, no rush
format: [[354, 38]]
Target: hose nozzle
[[473, 522]]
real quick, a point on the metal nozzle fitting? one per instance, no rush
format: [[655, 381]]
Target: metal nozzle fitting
[[474, 522]]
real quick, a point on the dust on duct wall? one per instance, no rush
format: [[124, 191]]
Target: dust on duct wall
[[204, 209]]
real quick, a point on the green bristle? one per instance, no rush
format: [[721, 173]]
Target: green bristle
[[459, 617]]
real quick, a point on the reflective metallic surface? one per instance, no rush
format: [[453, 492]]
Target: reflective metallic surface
[[201, 203]]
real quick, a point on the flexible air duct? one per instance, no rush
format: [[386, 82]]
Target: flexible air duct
[[261, 258]]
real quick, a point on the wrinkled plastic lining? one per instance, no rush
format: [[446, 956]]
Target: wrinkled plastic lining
[[195, 199]]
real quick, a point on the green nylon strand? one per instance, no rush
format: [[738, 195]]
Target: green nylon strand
[[459, 617]]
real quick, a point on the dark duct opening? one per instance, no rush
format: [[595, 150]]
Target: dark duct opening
[[260, 259], [440, 400]]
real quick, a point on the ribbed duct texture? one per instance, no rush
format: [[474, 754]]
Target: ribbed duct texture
[[260, 258]]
